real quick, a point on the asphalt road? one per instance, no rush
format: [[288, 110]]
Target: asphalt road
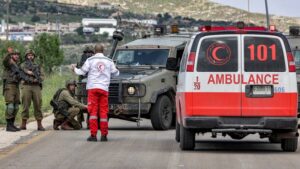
[[130, 147]]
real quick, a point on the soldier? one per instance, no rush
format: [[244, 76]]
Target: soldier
[[87, 53], [31, 90], [11, 90], [66, 107]]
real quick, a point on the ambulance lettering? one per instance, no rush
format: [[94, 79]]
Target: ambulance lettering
[[240, 79]]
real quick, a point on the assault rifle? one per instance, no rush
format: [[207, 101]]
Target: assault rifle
[[36, 72], [19, 73]]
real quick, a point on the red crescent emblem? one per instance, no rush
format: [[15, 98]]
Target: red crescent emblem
[[214, 53], [218, 54]]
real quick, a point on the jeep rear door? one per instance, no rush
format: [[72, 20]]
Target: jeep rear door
[[216, 90], [268, 88]]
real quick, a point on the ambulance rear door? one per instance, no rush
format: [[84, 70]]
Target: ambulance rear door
[[268, 88]]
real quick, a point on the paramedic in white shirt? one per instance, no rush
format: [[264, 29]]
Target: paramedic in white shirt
[[99, 70]]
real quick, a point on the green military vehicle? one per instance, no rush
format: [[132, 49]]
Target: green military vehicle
[[146, 85], [294, 41]]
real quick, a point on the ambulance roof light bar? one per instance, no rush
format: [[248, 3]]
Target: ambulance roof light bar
[[240, 26]]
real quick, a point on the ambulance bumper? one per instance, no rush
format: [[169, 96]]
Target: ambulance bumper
[[285, 123]]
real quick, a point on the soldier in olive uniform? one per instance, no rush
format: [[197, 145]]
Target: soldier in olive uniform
[[11, 89], [31, 90], [87, 53], [71, 109]]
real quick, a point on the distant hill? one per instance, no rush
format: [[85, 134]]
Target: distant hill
[[198, 9]]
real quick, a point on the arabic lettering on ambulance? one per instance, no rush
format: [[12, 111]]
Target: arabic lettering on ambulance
[[241, 79], [197, 84], [218, 54]]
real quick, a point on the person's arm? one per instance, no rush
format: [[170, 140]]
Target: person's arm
[[72, 101], [114, 70], [83, 70]]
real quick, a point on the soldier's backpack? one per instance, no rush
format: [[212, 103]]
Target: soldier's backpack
[[57, 106]]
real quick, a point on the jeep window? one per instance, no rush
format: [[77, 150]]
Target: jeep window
[[263, 54], [142, 57], [218, 54], [184, 57], [296, 54]]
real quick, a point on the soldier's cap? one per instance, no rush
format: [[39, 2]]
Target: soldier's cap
[[71, 82], [30, 51]]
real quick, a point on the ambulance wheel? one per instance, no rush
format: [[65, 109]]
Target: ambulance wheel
[[161, 113], [177, 132], [187, 139], [289, 145]]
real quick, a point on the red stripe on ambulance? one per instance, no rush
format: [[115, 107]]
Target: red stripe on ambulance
[[236, 104]]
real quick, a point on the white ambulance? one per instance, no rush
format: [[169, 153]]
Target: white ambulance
[[237, 81]]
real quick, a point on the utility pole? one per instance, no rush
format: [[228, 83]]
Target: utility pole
[[7, 19], [267, 14]]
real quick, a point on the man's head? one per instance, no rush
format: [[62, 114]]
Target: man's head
[[29, 55], [99, 48], [15, 55], [71, 85]]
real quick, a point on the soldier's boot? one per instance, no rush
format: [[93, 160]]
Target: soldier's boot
[[13, 124], [40, 126], [56, 124], [65, 126], [23, 124], [9, 126]]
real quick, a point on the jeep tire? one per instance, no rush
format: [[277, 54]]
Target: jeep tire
[[161, 113], [187, 139], [177, 132], [289, 144]]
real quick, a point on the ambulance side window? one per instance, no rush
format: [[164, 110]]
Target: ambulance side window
[[184, 58], [263, 54], [218, 54]]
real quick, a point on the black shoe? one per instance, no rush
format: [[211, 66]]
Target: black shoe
[[103, 138], [92, 138]]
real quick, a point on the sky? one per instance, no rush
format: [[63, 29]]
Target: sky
[[277, 7]]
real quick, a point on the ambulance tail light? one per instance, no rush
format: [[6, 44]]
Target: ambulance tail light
[[291, 62], [191, 62]]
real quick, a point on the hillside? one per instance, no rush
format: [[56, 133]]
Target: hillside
[[198, 9]]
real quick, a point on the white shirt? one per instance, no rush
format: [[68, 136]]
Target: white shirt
[[99, 69]]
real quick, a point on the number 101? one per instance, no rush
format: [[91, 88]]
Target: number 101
[[262, 52]]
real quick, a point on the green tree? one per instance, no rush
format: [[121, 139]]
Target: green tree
[[35, 18], [47, 49]]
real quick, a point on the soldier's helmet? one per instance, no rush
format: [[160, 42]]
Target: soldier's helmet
[[16, 52], [88, 49], [29, 51], [71, 82]]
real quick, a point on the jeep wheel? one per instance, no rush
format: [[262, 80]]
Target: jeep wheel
[[161, 113], [177, 132], [187, 139], [289, 145]]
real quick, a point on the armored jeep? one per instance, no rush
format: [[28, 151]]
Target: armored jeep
[[146, 85], [147, 82]]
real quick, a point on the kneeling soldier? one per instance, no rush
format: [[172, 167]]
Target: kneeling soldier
[[66, 107]]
